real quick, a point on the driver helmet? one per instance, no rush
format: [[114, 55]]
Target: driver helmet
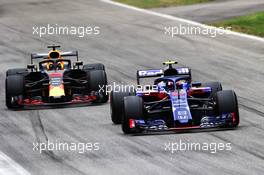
[[60, 65], [50, 66]]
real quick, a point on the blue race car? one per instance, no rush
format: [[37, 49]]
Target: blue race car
[[173, 102]]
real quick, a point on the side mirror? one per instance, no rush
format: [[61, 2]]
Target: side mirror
[[196, 84], [31, 66], [78, 63]]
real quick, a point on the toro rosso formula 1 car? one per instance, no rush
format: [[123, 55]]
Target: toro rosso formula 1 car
[[55, 80], [174, 103]]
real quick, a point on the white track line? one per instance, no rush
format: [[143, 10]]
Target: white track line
[[182, 20], [10, 167]]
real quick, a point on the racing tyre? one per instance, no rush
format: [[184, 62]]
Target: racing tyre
[[18, 71], [226, 102], [97, 80], [133, 110], [117, 103], [96, 66], [14, 91], [215, 86]]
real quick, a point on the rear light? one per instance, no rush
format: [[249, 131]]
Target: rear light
[[131, 123], [233, 116]]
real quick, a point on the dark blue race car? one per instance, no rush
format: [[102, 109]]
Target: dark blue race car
[[173, 102]]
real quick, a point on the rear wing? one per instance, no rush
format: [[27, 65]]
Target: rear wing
[[45, 55], [179, 71], [148, 74]]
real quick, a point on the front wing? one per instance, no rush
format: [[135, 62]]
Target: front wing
[[87, 99], [207, 122]]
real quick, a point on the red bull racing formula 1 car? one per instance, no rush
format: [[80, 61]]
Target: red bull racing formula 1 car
[[55, 80], [174, 102]]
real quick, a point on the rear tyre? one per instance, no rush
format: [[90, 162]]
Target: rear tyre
[[226, 102], [14, 91], [97, 80], [215, 86], [116, 105], [18, 71], [96, 66], [133, 110]]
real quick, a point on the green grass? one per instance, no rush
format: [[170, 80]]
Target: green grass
[[251, 24], [160, 3]]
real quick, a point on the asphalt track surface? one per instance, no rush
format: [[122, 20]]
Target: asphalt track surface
[[215, 11], [129, 40]]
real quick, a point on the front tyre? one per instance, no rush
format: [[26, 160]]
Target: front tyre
[[14, 91], [97, 81], [133, 110], [117, 103], [226, 102]]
